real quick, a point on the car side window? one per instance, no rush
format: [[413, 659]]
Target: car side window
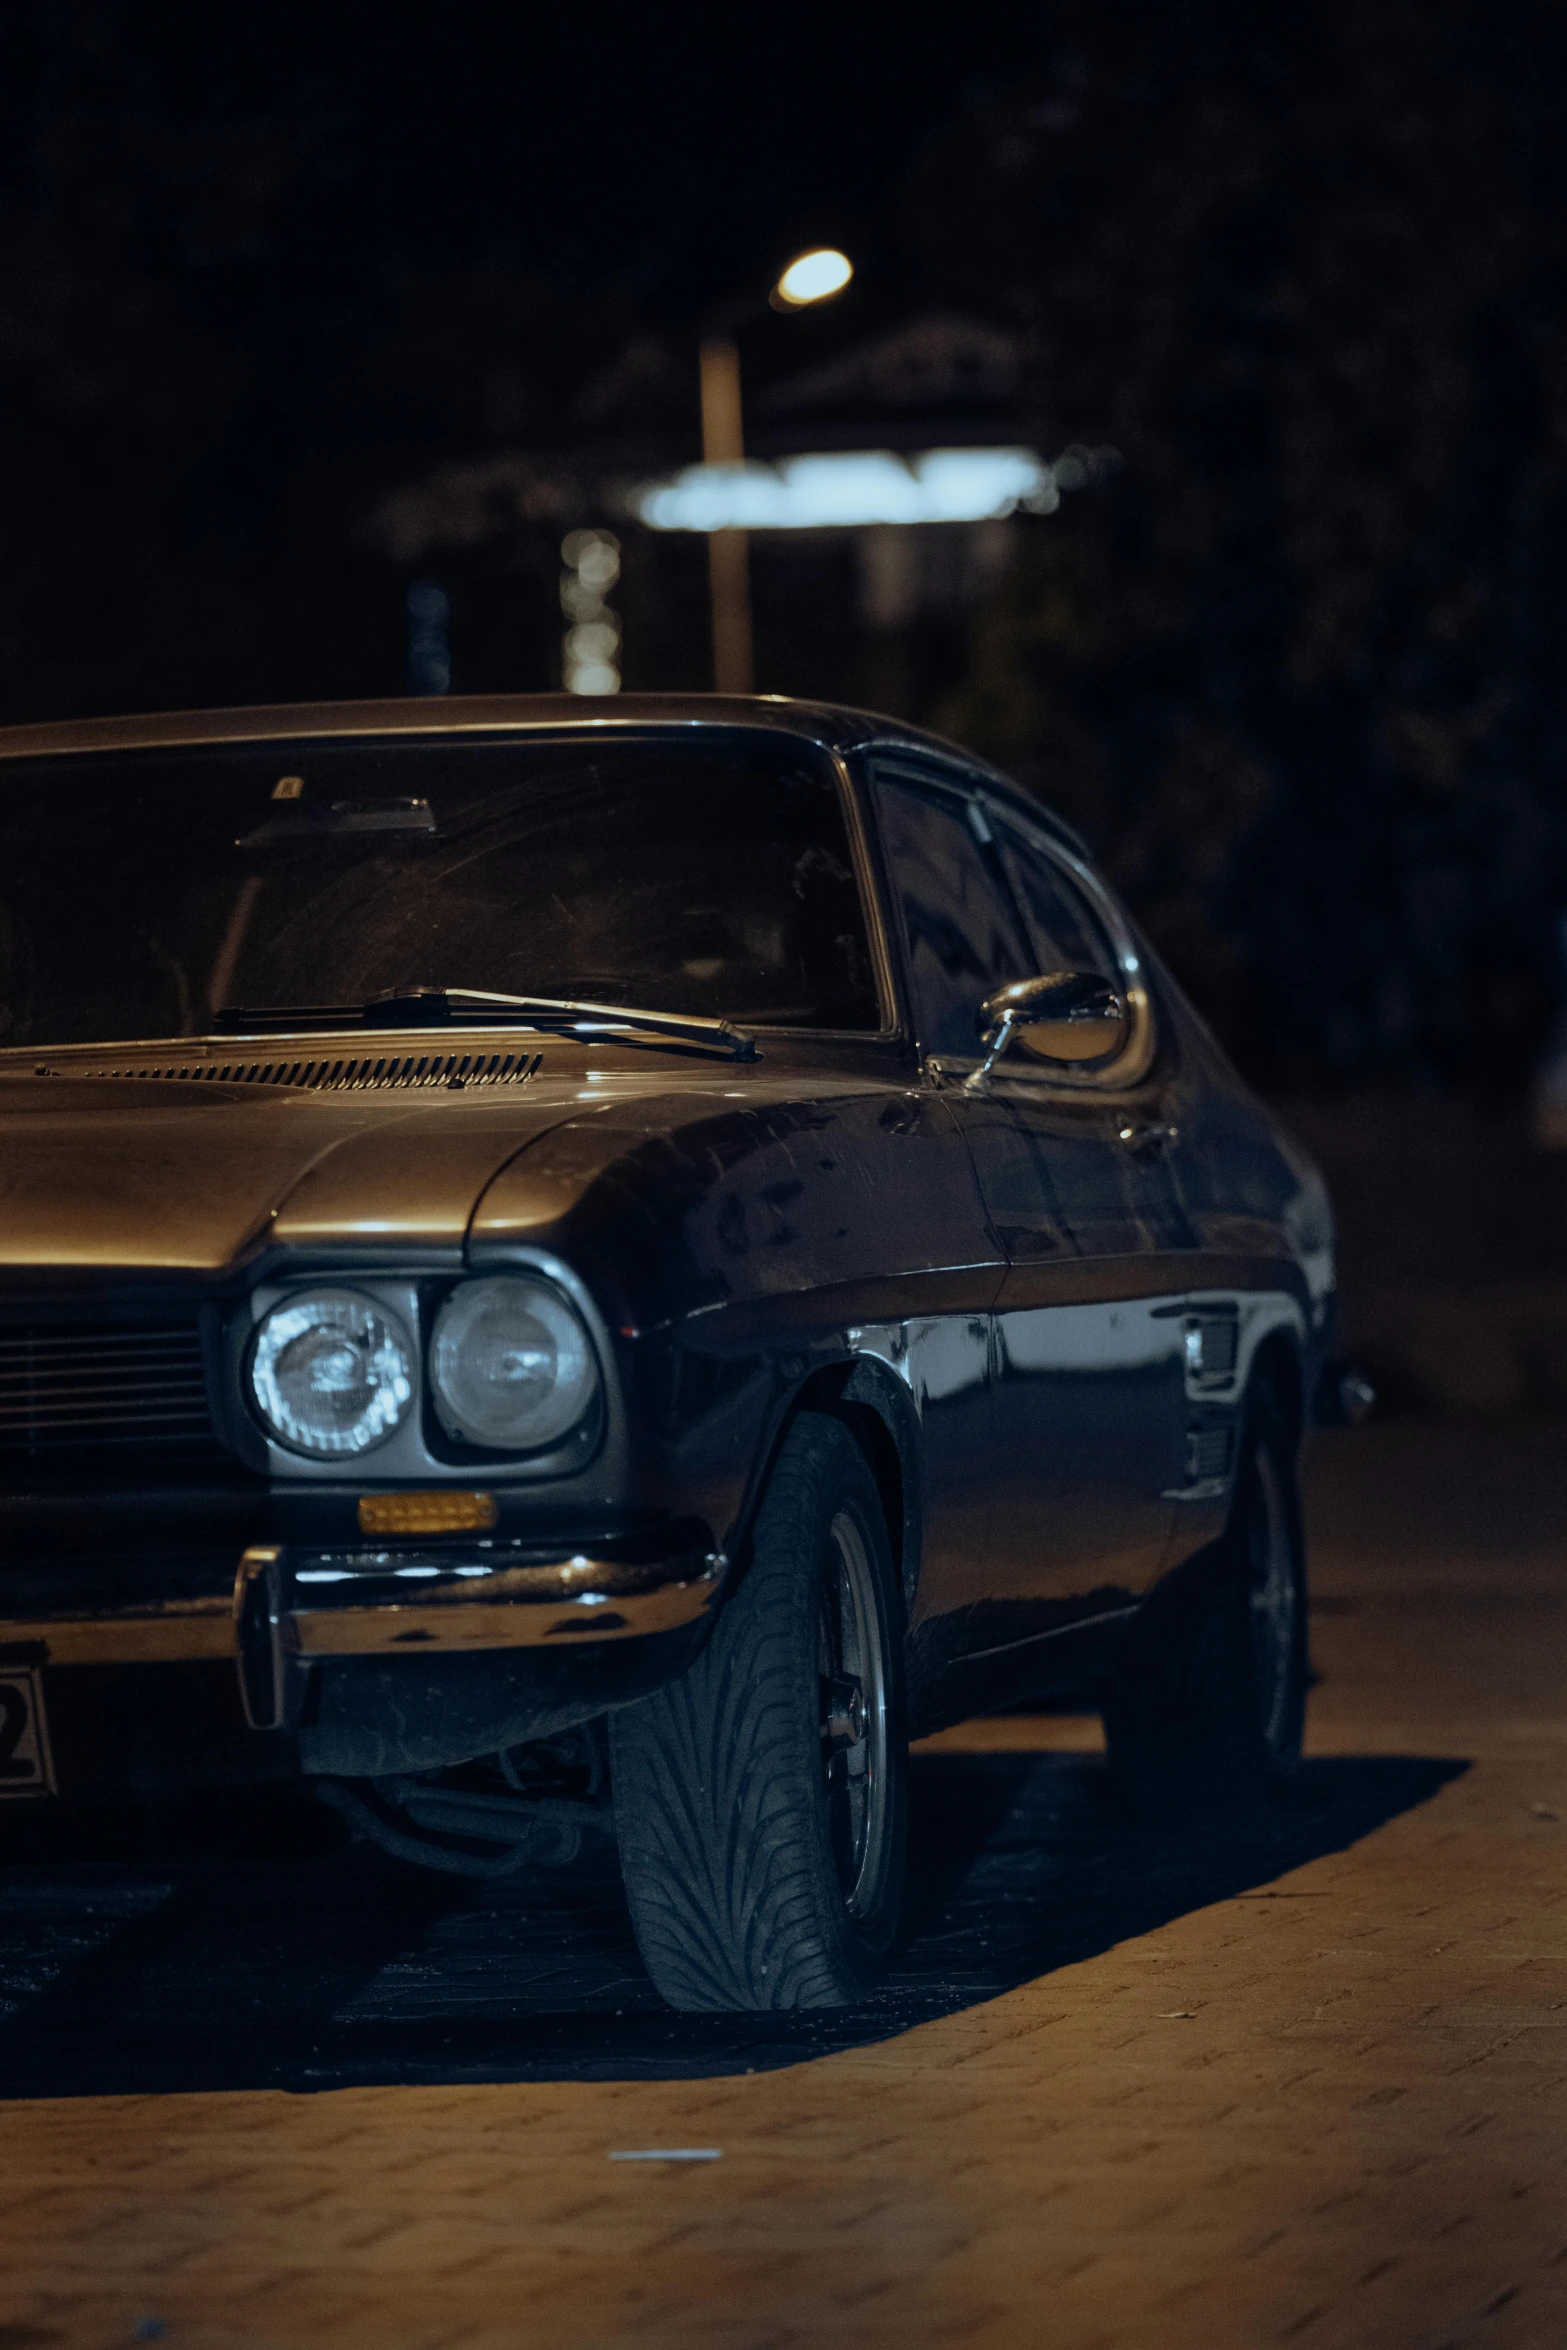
[[1064, 934], [960, 928]]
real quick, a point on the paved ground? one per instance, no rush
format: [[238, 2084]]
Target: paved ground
[[1299, 2085]]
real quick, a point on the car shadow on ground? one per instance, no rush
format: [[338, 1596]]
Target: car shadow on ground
[[252, 1947]]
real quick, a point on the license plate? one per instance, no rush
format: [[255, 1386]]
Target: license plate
[[25, 1767]]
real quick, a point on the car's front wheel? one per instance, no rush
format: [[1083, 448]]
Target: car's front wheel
[[760, 1800]]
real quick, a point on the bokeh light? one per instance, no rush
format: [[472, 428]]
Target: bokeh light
[[590, 653], [812, 277]]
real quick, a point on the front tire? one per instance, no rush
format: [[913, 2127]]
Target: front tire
[[761, 1799], [1206, 1706]]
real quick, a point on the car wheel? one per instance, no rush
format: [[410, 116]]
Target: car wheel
[[1206, 1704], [761, 1799]]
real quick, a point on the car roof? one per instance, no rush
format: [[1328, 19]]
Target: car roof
[[832, 726]]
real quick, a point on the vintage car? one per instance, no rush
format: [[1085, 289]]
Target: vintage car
[[579, 1266]]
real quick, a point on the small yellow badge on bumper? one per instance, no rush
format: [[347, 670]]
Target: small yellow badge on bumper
[[426, 1513]]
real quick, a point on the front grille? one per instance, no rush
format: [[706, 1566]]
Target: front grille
[[354, 1073], [67, 1391]]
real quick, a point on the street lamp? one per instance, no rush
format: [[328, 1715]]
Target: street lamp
[[810, 277]]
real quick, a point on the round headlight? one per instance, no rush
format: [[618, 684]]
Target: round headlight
[[331, 1373], [511, 1366]]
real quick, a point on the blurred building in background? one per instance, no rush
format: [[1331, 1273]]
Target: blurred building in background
[[881, 613]]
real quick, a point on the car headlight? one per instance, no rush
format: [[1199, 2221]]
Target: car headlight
[[331, 1373], [511, 1366]]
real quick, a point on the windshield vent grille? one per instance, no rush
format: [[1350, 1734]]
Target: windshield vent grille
[[66, 1389], [362, 1073]]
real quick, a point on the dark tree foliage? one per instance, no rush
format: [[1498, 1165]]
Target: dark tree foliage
[[1298, 674]]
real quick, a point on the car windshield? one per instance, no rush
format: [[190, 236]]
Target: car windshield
[[143, 893]]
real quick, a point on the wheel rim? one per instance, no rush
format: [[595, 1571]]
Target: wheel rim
[[1275, 1599], [853, 1678]]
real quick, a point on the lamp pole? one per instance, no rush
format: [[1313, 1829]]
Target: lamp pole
[[728, 554], [811, 277]]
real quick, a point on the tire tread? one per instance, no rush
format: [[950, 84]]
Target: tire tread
[[717, 1785]]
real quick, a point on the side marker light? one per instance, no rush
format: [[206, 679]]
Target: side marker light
[[426, 1513]]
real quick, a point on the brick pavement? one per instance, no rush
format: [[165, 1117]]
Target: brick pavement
[[1326, 2109]]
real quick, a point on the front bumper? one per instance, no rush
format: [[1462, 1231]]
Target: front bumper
[[292, 1614], [293, 1608]]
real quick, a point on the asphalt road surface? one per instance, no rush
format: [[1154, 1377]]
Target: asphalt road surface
[[1299, 2082]]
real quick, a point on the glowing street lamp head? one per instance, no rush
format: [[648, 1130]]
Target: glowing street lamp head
[[811, 277]]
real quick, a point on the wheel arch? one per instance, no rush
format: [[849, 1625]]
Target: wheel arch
[[1277, 1366], [876, 1408]]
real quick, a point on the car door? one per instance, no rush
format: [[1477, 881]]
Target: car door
[[1090, 1325], [1086, 1406]]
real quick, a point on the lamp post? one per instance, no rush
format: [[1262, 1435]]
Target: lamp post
[[811, 277]]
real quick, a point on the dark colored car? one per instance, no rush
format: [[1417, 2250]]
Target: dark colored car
[[567, 1264]]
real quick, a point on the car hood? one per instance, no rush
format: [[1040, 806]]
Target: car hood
[[138, 1174]]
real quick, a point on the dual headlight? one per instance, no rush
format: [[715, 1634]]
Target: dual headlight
[[510, 1367]]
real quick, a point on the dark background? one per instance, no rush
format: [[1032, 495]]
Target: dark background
[[1295, 668]]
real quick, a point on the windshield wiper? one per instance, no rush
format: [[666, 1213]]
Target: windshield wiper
[[444, 1007]]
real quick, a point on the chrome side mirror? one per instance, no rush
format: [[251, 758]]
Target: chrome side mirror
[[1065, 1017]]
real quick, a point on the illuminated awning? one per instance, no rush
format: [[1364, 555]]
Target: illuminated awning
[[851, 490]]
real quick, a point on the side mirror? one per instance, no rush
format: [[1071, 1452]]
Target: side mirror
[[1065, 1017]]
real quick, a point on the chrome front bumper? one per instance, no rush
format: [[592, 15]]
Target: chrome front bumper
[[292, 1607]]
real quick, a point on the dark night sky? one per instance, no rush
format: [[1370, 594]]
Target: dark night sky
[[652, 157]]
